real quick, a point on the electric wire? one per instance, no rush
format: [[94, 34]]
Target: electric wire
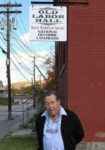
[[33, 52], [20, 71], [22, 23], [28, 48], [20, 58], [21, 61], [20, 64], [31, 55], [23, 48]]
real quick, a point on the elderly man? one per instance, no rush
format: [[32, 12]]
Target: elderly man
[[57, 128]]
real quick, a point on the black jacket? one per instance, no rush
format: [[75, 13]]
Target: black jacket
[[71, 129]]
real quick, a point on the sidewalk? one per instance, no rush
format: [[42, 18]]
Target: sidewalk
[[11, 126], [23, 133]]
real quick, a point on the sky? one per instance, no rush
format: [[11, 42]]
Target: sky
[[22, 51]]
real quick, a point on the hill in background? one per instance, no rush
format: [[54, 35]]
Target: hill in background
[[18, 85]]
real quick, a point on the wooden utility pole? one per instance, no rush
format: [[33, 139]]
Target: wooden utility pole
[[8, 12], [34, 82], [40, 81]]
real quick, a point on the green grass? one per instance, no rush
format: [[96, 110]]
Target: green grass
[[3, 101], [18, 144]]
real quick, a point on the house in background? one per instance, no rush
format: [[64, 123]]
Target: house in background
[[3, 90], [80, 67]]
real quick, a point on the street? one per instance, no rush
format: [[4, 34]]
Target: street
[[16, 110]]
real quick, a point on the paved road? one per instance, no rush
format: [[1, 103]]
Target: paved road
[[16, 110], [19, 117]]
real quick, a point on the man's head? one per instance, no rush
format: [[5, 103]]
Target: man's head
[[52, 104]]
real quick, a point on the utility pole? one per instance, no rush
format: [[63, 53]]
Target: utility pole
[[8, 67], [8, 12], [34, 82], [40, 81]]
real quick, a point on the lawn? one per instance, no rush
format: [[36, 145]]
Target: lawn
[[18, 144]]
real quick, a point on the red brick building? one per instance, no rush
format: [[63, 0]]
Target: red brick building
[[80, 67]]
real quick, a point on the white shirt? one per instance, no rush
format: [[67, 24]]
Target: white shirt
[[52, 138]]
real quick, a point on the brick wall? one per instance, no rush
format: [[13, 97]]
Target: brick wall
[[86, 67]]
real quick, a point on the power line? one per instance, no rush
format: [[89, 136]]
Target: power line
[[20, 71], [20, 64], [18, 40], [20, 58], [28, 48], [23, 23]]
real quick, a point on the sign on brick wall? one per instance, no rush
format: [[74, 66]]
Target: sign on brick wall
[[48, 23]]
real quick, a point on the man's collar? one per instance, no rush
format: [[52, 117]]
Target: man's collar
[[62, 112], [44, 113]]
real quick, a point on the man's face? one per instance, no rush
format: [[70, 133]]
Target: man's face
[[52, 105]]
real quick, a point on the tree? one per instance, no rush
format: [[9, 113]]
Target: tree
[[49, 65]]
